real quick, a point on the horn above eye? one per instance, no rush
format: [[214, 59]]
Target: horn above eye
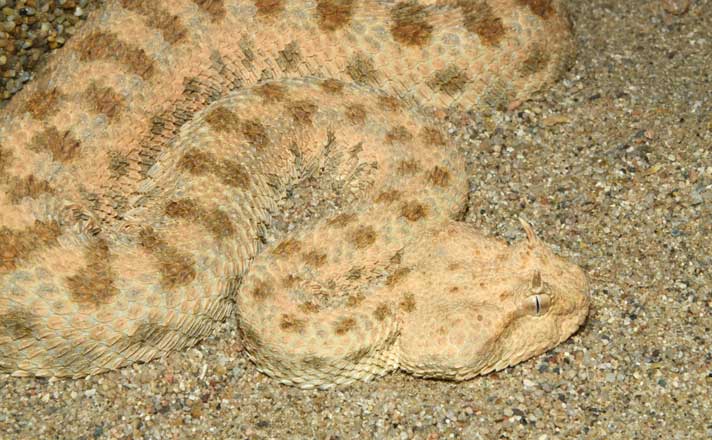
[[537, 283], [532, 239]]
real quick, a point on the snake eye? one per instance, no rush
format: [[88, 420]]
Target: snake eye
[[538, 304]]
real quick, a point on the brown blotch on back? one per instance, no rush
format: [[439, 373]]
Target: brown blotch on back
[[233, 174], [410, 166], [18, 323], [291, 323], [413, 211], [398, 134], [269, 7], [107, 46], [18, 245], [314, 258], [389, 103], [433, 136], [61, 145], [103, 100], [222, 119], [302, 111], [94, 284], [287, 247], [334, 14], [216, 221], [196, 162], [388, 196], [480, 19], [361, 69], [341, 220], [42, 103], [397, 276], [176, 269], [450, 80], [5, 158], [439, 176], [407, 303], [29, 186], [356, 113], [344, 325], [262, 291], [216, 8], [256, 133], [535, 62], [168, 25], [229, 172], [183, 208], [355, 299], [363, 236], [288, 59], [271, 92], [542, 8], [333, 86], [410, 23], [382, 312]]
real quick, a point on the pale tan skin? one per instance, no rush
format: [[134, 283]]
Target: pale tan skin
[[139, 171]]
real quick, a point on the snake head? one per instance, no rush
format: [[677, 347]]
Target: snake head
[[550, 301], [485, 306]]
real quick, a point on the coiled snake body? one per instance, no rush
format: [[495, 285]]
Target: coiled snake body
[[139, 172]]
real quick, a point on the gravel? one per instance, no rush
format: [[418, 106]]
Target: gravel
[[613, 166]]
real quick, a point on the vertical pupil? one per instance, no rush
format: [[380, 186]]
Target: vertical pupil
[[538, 305]]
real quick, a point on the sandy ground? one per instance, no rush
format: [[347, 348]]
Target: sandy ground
[[614, 168]]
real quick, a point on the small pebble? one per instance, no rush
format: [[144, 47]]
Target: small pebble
[[196, 410], [675, 7]]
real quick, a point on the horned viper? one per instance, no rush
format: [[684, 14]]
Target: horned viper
[[140, 170]]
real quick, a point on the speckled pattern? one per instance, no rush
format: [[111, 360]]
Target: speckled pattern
[[141, 171], [612, 166]]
